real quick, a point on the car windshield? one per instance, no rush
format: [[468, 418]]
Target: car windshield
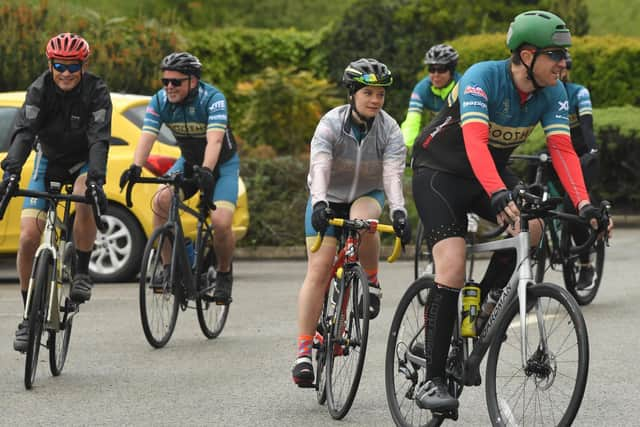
[[136, 116], [7, 115]]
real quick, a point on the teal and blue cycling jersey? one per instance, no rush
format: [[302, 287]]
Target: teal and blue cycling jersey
[[487, 94], [426, 96], [191, 120], [579, 107]]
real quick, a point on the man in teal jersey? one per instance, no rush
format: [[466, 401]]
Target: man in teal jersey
[[196, 113], [460, 160], [431, 92]]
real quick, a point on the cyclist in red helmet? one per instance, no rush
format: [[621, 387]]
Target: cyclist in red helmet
[[66, 116]]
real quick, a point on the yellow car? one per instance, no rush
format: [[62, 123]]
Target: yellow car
[[118, 252]]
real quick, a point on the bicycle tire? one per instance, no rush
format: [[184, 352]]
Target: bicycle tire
[[211, 317], [59, 340], [404, 370], [571, 270], [347, 342], [159, 314], [507, 382], [37, 316], [320, 356], [422, 258]]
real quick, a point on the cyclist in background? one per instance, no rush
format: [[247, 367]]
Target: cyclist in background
[[431, 92], [357, 157], [584, 142], [459, 163], [66, 116], [196, 113]]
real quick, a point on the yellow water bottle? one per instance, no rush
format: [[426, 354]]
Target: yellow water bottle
[[470, 309]]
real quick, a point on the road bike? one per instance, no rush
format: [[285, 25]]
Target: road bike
[[535, 340], [340, 343], [169, 279], [556, 249], [48, 308]]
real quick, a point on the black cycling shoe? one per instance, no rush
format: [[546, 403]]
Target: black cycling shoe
[[585, 277], [222, 292], [433, 395], [21, 342], [375, 295], [302, 372], [81, 288], [160, 281]]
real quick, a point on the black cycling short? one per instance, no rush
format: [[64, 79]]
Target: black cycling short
[[444, 199]]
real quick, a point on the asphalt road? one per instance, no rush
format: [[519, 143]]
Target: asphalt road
[[242, 378]]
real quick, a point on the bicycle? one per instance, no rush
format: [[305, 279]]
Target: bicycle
[[343, 326], [555, 246], [162, 291], [48, 307], [535, 337]]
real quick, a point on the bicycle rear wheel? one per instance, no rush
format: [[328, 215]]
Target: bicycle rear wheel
[[404, 369], [59, 339], [37, 315], [158, 298], [548, 390], [211, 317], [571, 270], [347, 342]]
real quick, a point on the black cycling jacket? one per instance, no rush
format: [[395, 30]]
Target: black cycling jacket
[[70, 127]]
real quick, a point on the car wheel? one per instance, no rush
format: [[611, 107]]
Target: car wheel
[[117, 253]]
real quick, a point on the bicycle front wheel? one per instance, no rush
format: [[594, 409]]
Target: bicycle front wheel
[[583, 293], [37, 315], [547, 388], [347, 342], [158, 300], [404, 370], [211, 317], [59, 338]]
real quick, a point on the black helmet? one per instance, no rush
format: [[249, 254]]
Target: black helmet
[[183, 62], [441, 54], [366, 72]]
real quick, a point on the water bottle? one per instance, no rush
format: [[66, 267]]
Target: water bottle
[[487, 308], [470, 309], [188, 244]]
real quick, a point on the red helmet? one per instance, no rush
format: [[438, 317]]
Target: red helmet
[[68, 46]]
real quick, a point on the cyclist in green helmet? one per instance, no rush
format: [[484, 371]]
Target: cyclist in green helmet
[[460, 166]]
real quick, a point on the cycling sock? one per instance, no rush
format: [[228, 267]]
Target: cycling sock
[[440, 313], [24, 297], [372, 276], [501, 267], [305, 343], [82, 266]]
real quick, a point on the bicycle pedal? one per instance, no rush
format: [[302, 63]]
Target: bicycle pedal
[[307, 385], [229, 301]]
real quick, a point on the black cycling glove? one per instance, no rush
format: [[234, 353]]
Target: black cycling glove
[[401, 226], [589, 212], [99, 192], [321, 216], [206, 181], [130, 175], [500, 199]]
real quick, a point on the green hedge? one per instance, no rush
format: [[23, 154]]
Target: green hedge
[[606, 65]]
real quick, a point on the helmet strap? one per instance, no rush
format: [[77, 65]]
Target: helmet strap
[[362, 119], [529, 69]]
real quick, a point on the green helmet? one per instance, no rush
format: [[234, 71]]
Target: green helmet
[[538, 28]]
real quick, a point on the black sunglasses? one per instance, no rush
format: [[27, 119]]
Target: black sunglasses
[[556, 55], [174, 82], [61, 68], [440, 69]]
